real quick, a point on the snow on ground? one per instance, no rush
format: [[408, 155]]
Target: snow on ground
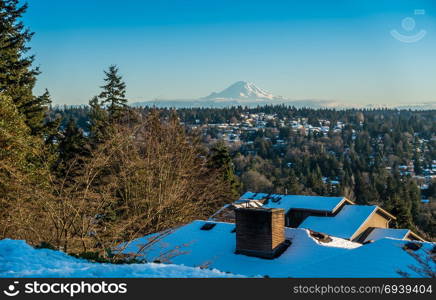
[[344, 224], [306, 257], [18, 259]]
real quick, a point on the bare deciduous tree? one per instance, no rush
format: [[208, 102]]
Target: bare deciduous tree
[[145, 178]]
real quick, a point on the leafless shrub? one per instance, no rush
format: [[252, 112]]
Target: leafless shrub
[[426, 264], [145, 178]]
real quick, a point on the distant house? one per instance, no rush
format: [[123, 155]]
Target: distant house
[[334, 216]]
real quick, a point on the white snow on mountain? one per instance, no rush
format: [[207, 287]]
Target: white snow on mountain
[[248, 94], [242, 90]]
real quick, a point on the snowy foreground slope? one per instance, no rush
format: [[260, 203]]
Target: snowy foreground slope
[[188, 248], [18, 259], [306, 257]]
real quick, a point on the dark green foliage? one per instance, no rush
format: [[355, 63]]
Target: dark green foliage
[[72, 150], [98, 122], [17, 76], [293, 187], [108, 108], [220, 159], [73, 143], [113, 95], [45, 245]]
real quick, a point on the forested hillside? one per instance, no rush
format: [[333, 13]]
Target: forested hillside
[[382, 156]]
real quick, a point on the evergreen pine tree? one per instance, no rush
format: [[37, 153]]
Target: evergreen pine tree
[[73, 143], [293, 186], [98, 122], [113, 95], [403, 214], [220, 159], [414, 196], [72, 151], [36, 114], [315, 182], [17, 76]]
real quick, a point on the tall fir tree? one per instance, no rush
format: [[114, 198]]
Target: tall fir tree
[[293, 187], [72, 142], [36, 114], [99, 126], [220, 159], [72, 151], [113, 95], [17, 75], [414, 195]]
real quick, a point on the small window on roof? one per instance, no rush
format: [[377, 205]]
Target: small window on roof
[[207, 226]]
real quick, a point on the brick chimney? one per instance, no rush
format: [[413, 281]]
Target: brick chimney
[[260, 232]]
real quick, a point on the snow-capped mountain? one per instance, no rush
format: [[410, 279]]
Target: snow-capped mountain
[[240, 93], [242, 90], [248, 94]]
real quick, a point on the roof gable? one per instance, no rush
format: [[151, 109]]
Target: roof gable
[[380, 233], [344, 224]]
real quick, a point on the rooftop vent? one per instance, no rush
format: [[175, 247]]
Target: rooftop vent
[[412, 246], [276, 199], [207, 226], [260, 232]]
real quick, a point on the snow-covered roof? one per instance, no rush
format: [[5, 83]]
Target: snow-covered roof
[[287, 202], [380, 233], [305, 257], [344, 224]]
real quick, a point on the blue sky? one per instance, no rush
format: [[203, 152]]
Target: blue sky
[[336, 50]]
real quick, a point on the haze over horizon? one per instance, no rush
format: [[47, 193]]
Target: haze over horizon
[[342, 51]]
